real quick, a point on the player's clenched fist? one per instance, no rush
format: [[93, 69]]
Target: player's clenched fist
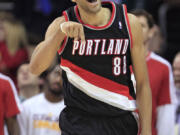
[[74, 30]]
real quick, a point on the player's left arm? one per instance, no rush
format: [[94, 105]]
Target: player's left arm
[[143, 92], [166, 103]]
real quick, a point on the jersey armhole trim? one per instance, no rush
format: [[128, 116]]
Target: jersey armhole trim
[[61, 49], [128, 24]]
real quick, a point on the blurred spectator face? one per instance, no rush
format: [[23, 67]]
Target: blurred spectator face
[[2, 32], [145, 27], [156, 41], [176, 70], [25, 78], [55, 80]]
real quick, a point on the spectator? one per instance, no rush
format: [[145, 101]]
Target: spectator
[[28, 83], [156, 41], [12, 47], [161, 83], [40, 113], [176, 73], [6, 16], [9, 106]]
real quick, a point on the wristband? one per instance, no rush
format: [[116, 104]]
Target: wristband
[[61, 27]]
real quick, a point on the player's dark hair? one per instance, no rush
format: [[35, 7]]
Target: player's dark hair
[[142, 12]]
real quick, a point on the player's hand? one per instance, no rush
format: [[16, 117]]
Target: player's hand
[[74, 30]]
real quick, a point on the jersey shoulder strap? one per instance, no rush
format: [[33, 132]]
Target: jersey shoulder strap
[[70, 14]]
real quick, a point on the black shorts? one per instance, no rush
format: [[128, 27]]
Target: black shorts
[[73, 122]]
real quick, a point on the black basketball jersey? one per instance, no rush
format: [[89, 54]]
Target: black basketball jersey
[[96, 73]]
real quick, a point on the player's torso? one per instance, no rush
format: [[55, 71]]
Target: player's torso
[[107, 46], [103, 60]]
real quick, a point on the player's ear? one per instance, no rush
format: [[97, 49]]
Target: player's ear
[[73, 0]]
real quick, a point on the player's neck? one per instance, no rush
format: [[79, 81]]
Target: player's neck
[[99, 19], [29, 91]]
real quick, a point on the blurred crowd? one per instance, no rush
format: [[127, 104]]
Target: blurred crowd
[[35, 102]]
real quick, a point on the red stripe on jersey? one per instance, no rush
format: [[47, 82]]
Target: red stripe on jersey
[[131, 69], [65, 39], [97, 27], [66, 16], [62, 46], [97, 80], [129, 27]]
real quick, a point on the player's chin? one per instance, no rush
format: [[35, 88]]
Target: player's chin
[[95, 9]]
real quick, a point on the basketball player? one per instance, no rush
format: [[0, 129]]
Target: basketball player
[[97, 43], [161, 82]]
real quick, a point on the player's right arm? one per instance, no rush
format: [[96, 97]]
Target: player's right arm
[[46, 50]]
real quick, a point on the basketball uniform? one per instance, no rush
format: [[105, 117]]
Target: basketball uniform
[[98, 91]]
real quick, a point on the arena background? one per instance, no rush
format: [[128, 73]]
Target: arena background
[[37, 17]]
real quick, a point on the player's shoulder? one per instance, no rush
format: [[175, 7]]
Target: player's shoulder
[[134, 23], [35, 100], [133, 20], [54, 26], [135, 30], [56, 23], [160, 60]]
